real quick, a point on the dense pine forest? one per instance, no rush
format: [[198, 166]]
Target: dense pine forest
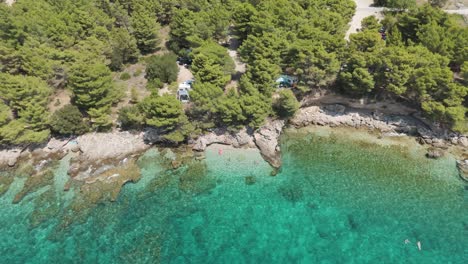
[[418, 55]]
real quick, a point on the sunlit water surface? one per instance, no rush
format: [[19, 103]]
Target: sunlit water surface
[[337, 199]]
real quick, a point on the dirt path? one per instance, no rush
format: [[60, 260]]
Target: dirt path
[[232, 50], [184, 74], [240, 67]]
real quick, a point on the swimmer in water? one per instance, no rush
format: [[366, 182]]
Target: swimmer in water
[[407, 241], [220, 151], [419, 245]]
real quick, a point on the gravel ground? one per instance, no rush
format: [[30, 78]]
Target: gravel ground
[[363, 10]]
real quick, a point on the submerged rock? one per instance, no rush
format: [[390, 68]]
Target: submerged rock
[[34, 183], [462, 166], [434, 153], [250, 180], [196, 180], [5, 182], [291, 193], [267, 141]]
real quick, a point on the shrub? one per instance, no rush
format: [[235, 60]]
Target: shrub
[[130, 117], [125, 76], [155, 84], [68, 121], [163, 67], [137, 72], [133, 95]]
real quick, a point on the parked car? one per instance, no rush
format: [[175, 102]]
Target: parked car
[[186, 61], [183, 95]]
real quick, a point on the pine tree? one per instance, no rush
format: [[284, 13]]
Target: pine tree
[[287, 104], [145, 30], [124, 48], [93, 91], [5, 113], [68, 121], [207, 71], [164, 112], [91, 84]]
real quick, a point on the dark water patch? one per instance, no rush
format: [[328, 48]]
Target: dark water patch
[[46, 208], [195, 179], [352, 222], [34, 182], [5, 181], [250, 180], [292, 193]]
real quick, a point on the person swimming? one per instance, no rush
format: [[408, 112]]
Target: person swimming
[[419, 245], [220, 152], [407, 241]]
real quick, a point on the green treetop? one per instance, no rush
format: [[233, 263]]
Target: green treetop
[[286, 105], [206, 70], [68, 121], [145, 30]]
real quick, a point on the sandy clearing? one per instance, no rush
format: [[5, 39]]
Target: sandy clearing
[[59, 99], [363, 10], [10, 2]]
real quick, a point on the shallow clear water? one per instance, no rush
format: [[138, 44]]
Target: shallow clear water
[[336, 200]]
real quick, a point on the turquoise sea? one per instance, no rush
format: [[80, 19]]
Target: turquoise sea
[[337, 199]]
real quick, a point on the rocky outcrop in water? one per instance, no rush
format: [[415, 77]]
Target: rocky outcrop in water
[[267, 140], [101, 152], [434, 153]]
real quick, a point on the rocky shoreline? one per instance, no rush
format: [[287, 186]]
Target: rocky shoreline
[[96, 153]]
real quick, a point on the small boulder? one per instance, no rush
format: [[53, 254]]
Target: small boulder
[[463, 141], [438, 143], [434, 153], [12, 161], [200, 144], [176, 164], [75, 148]]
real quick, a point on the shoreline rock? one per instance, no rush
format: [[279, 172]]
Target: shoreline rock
[[267, 141], [243, 138], [338, 115], [9, 157], [96, 150]]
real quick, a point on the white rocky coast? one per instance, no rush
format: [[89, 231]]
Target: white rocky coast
[[94, 149]]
